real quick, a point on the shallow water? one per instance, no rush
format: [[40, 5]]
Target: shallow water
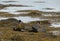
[[36, 6], [25, 19], [50, 15], [55, 24]]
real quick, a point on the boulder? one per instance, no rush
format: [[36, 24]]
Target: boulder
[[11, 22]]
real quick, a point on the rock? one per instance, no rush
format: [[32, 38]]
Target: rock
[[36, 26], [27, 28], [41, 30], [40, 26], [55, 33], [11, 22], [33, 30], [16, 29]]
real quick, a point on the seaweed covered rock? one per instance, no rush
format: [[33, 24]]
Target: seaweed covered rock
[[11, 22], [35, 13]]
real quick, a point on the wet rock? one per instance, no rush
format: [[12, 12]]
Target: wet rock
[[33, 13], [11, 22], [1, 6], [6, 14]]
